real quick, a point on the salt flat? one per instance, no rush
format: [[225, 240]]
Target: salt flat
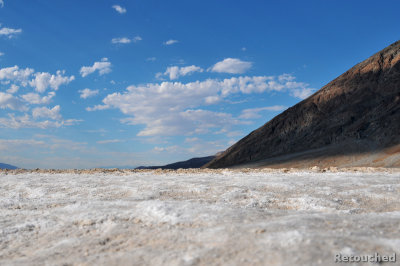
[[197, 217]]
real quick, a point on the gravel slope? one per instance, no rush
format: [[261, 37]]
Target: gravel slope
[[226, 217]]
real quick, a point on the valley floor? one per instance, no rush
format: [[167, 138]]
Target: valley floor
[[221, 217]]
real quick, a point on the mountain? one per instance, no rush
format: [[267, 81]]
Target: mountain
[[7, 166], [352, 121], [191, 163], [116, 167]]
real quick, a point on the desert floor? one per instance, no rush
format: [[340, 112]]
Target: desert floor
[[198, 217]]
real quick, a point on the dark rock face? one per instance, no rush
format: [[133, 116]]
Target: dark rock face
[[357, 112]]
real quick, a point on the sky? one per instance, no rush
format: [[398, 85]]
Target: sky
[[124, 83]]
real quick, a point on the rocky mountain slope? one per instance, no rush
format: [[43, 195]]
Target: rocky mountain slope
[[355, 119]]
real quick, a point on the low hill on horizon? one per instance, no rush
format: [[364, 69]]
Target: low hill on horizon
[[7, 166], [191, 163], [352, 121]]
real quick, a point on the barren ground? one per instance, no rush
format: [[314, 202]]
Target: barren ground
[[224, 217]]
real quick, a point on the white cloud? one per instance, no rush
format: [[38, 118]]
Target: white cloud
[[183, 71], [175, 72], [13, 89], [247, 85], [11, 102], [101, 130], [159, 76], [53, 143], [206, 148], [286, 77], [34, 98], [86, 93], [26, 121], [119, 9], [21, 121], [253, 113], [70, 122], [107, 141], [175, 108], [212, 99], [122, 40], [1, 54], [206, 120], [125, 40], [38, 142], [53, 152], [16, 74], [302, 93], [103, 67], [231, 142], [9, 32], [259, 84], [44, 112], [43, 80], [299, 90], [235, 134], [231, 66], [170, 149], [13, 143], [2, 3], [97, 108], [168, 108], [17, 77], [137, 39], [190, 140], [151, 59], [194, 147], [170, 42]]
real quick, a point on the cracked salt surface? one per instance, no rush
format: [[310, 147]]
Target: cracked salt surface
[[197, 218]]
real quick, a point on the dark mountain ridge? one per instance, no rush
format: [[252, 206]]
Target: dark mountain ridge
[[357, 113]]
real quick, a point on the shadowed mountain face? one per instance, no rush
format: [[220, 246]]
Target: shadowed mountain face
[[357, 113]]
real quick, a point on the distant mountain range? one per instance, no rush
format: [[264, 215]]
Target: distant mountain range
[[116, 167], [352, 121], [191, 163], [7, 166]]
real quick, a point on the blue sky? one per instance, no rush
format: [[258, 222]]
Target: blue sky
[[126, 83]]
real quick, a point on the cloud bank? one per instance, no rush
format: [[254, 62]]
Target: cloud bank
[[175, 108]]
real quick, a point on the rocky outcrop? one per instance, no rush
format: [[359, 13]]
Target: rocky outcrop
[[358, 112]]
